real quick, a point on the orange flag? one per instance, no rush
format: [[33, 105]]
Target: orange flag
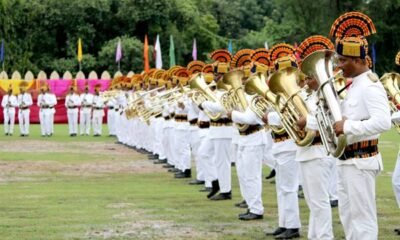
[[146, 54]]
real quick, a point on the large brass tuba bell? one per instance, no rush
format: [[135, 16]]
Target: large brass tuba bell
[[236, 93], [289, 104], [203, 94], [265, 99], [390, 82], [319, 66]]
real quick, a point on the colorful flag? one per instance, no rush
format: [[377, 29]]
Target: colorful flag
[[2, 51], [230, 49], [157, 48], [194, 51], [118, 52], [79, 50], [266, 45], [146, 54], [171, 52]]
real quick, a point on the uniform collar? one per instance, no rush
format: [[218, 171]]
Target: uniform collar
[[359, 78]]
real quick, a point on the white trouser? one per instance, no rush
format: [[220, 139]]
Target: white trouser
[[333, 183], [48, 121], [72, 121], [166, 143], [287, 184], [205, 154], [396, 180], [249, 161], [111, 121], [23, 118], [42, 122], [316, 179], [222, 153], [357, 206], [194, 145], [85, 122], [172, 148], [182, 148], [97, 122], [9, 120]]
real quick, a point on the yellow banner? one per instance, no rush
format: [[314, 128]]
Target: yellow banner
[[5, 84]]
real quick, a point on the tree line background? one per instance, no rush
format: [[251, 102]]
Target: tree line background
[[43, 34]]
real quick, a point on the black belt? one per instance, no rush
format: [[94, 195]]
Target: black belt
[[158, 115], [23, 108], [361, 149], [110, 108], [203, 124], [47, 107], [193, 121], [98, 108], [221, 122], [180, 118], [116, 109], [251, 129], [280, 137], [72, 107], [167, 118]]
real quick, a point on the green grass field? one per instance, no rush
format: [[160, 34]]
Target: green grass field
[[91, 188]]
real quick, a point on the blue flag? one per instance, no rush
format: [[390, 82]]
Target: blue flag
[[2, 51], [230, 46]]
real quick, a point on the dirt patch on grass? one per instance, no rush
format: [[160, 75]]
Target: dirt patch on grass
[[112, 158]]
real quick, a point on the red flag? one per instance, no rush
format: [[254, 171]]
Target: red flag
[[146, 54]]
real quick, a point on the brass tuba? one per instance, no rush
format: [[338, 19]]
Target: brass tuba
[[264, 100], [203, 94], [237, 96], [319, 66], [289, 104], [390, 82]]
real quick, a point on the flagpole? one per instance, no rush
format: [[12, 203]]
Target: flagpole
[[80, 67], [119, 66]]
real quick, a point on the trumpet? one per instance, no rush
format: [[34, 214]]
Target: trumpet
[[390, 82], [107, 95], [319, 66], [265, 99], [289, 105]]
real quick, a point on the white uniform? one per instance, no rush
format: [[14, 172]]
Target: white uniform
[[85, 113], [9, 103], [24, 102], [367, 111], [287, 177], [182, 135], [396, 173], [221, 139], [316, 167], [47, 102], [72, 102], [111, 116], [193, 115], [250, 155], [98, 114], [205, 152]]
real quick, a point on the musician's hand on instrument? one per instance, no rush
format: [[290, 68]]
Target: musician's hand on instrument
[[181, 105], [301, 122], [265, 118], [339, 126], [229, 114]]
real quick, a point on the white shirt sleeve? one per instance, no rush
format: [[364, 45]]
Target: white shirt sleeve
[[274, 119], [213, 107], [4, 101], [311, 122], [247, 117], [396, 117], [377, 105]]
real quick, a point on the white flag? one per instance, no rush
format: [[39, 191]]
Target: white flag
[[157, 48], [266, 45]]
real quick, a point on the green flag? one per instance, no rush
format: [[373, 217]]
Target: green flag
[[171, 52]]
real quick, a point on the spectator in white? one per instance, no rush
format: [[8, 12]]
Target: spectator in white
[[86, 111], [24, 103], [72, 102], [98, 111], [9, 103]]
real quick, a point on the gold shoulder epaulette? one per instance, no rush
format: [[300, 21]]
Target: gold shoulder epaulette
[[373, 77]]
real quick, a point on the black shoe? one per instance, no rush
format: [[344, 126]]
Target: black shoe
[[214, 189], [233, 164], [250, 216], [397, 230], [173, 170], [196, 182], [271, 174], [276, 232], [185, 174], [334, 203], [22, 135], [160, 161], [222, 196], [152, 157], [289, 234], [242, 204], [206, 189], [168, 166], [6, 134]]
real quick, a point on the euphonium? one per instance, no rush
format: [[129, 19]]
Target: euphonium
[[319, 65], [289, 104], [237, 97], [264, 100], [203, 94], [390, 82]]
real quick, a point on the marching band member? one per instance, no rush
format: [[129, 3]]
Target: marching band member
[[366, 115], [396, 172], [86, 111], [46, 102], [111, 116], [9, 103], [98, 112], [72, 102], [24, 102]]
